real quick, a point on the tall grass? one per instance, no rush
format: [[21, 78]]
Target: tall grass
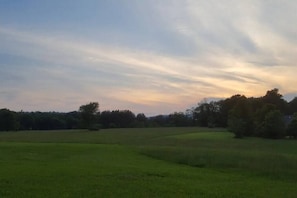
[[218, 150]]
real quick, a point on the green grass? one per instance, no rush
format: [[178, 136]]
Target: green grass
[[158, 162]]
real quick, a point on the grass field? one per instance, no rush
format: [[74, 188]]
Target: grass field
[[156, 162]]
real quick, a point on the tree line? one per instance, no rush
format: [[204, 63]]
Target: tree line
[[87, 117], [269, 116]]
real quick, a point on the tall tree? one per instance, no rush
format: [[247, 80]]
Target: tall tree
[[274, 97], [225, 107], [88, 114], [207, 114], [141, 120], [240, 118]]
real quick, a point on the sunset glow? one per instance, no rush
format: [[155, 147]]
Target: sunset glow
[[147, 56]]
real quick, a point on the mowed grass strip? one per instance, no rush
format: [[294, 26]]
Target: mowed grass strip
[[143, 163]]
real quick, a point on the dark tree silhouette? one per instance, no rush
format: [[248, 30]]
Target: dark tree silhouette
[[8, 120], [240, 118], [88, 114], [274, 125]]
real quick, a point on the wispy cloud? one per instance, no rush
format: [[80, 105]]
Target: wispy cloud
[[233, 48]]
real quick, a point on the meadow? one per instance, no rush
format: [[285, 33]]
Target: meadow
[[149, 162]]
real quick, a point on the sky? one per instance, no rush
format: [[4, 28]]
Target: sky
[[149, 56]]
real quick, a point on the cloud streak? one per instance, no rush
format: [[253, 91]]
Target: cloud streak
[[231, 48]]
